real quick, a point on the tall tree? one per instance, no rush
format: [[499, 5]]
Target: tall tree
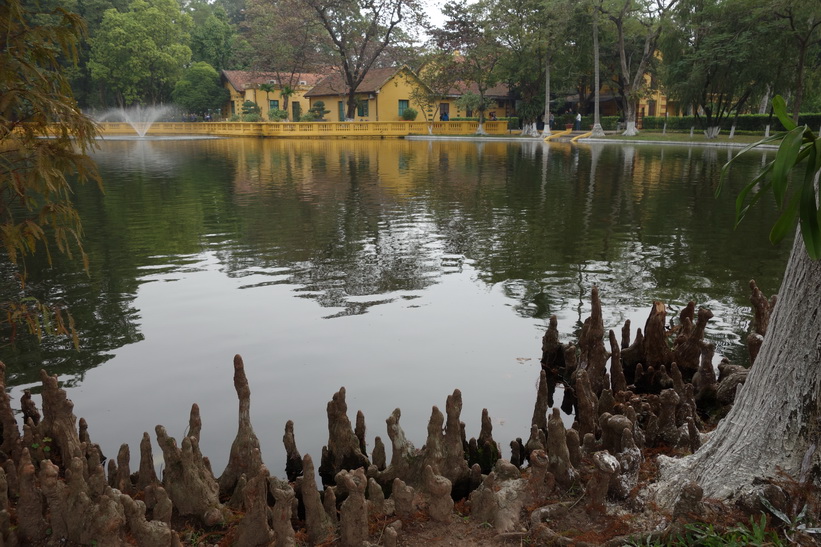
[[82, 84], [803, 20], [44, 139], [361, 30], [521, 27], [200, 90], [470, 36], [648, 17], [715, 59], [572, 64], [212, 36], [235, 9], [597, 128], [288, 41], [438, 81], [773, 430], [139, 54]]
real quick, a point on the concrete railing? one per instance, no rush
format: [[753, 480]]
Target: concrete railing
[[308, 129]]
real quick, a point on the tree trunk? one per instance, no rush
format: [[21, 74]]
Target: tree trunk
[[480, 130], [776, 419], [799, 81], [546, 130], [530, 130], [350, 110], [597, 128], [630, 119], [712, 131], [765, 100]]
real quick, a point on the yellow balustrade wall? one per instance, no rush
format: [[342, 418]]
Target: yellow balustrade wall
[[309, 129]]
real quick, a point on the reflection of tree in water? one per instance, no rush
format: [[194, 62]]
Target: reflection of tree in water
[[156, 204], [546, 223], [338, 233], [630, 222], [357, 224]]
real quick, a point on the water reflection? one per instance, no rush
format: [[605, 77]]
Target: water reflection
[[377, 264]]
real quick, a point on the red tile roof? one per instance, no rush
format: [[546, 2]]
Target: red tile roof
[[500, 91], [244, 79], [334, 84]]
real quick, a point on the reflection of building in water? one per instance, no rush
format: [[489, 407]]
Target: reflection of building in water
[[383, 168]]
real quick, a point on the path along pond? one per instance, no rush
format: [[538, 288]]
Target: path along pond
[[398, 269]]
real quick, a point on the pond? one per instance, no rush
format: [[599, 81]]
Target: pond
[[399, 269]]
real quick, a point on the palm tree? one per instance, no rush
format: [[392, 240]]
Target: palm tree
[[268, 89]]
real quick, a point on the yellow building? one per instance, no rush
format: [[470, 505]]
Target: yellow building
[[245, 86], [383, 95], [501, 105], [656, 103], [653, 102]]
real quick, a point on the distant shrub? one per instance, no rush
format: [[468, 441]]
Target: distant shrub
[[250, 107], [746, 122], [318, 111], [277, 115], [410, 114], [609, 123]]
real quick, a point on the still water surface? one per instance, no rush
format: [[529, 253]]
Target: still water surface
[[398, 269]]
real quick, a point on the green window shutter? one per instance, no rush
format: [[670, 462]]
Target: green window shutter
[[403, 105], [342, 111]]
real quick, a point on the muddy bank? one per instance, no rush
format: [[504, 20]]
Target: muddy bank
[[632, 398]]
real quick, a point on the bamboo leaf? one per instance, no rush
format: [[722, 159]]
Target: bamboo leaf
[[785, 160], [780, 110]]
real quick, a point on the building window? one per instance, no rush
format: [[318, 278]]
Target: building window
[[342, 111], [362, 108], [273, 105], [297, 111], [403, 105]]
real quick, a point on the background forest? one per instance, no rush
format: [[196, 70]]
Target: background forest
[[724, 56]]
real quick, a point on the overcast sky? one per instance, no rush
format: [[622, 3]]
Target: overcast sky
[[433, 9]]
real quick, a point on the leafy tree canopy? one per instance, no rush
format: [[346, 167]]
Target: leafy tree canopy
[[200, 89], [471, 37], [212, 38], [362, 31], [139, 54], [716, 56], [36, 209]]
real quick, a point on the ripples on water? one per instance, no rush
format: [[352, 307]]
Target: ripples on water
[[401, 270]]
